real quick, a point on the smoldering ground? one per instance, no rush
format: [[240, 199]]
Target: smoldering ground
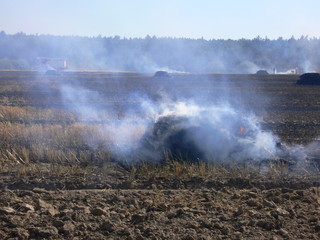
[[177, 118]]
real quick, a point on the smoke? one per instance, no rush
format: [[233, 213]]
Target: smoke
[[185, 127], [148, 118], [188, 131], [151, 54], [76, 99], [158, 118], [119, 134], [209, 133]]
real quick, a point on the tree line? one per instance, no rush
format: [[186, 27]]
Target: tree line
[[19, 51]]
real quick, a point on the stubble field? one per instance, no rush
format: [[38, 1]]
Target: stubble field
[[60, 178]]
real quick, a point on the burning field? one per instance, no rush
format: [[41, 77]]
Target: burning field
[[106, 155]]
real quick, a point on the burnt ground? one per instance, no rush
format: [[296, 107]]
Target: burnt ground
[[114, 202]]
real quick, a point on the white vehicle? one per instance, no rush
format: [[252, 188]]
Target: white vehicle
[[44, 64]]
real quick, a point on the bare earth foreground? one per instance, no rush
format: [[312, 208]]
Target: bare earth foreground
[[217, 212], [41, 199]]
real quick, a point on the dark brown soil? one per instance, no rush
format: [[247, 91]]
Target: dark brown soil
[[217, 210]]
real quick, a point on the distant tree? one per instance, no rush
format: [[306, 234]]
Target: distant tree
[[18, 51], [10, 64]]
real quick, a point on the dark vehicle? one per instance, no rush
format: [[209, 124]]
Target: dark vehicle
[[309, 79], [53, 72], [262, 72], [161, 74]]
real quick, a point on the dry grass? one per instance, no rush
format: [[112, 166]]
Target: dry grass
[[186, 170], [79, 145], [30, 114]]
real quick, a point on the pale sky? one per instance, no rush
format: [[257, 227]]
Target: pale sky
[[210, 19]]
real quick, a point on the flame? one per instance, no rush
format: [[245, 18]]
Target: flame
[[242, 130]]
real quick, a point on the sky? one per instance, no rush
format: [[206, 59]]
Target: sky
[[210, 19]]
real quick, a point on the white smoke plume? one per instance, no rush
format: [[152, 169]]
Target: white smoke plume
[[189, 127], [217, 131]]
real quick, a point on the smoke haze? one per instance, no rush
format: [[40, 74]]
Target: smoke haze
[[209, 120], [150, 54], [170, 115]]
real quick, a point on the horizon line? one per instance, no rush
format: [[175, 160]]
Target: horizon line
[[258, 37]]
